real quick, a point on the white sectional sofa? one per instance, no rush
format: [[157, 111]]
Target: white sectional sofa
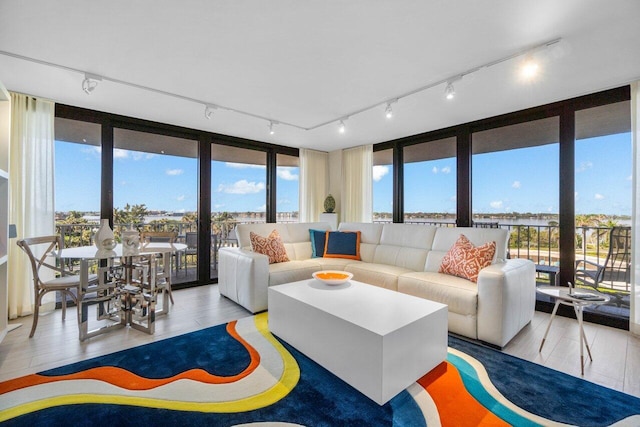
[[401, 257]]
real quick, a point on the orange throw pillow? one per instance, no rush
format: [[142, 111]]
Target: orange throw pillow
[[271, 246], [465, 260]]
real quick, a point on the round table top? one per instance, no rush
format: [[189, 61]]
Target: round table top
[[571, 295], [91, 252]]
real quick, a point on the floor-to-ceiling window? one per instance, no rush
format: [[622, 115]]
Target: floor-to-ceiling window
[[148, 174], [603, 203], [544, 174], [77, 189], [287, 188], [238, 192], [515, 172], [155, 188], [430, 182]]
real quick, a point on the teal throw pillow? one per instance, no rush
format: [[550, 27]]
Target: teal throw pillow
[[317, 242]]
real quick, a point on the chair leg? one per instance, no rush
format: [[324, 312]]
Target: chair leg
[[63, 299], [169, 292], [36, 314]]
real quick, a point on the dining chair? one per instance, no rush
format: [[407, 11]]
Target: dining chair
[[163, 272], [65, 283], [191, 240]]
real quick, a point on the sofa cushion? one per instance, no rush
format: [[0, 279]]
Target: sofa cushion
[[459, 294], [292, 271], [270, 246], [335, 263], [466, 260], [317, 242], [342, 244], [385, 276]]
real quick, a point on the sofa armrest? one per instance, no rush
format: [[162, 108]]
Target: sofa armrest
[[243, 277], [506, 300]]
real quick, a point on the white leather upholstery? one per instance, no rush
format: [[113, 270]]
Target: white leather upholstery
[[402, 257]]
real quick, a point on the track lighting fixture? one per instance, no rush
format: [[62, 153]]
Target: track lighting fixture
[[208, 111], [449, 91], [529, 70], [90, 83], [341, 127]]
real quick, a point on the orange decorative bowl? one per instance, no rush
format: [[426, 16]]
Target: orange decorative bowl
[[332, 277]]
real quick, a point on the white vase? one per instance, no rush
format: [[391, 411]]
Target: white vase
[[104, 238]]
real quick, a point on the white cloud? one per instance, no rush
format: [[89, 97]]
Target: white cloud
[[379, 172], [497, 204], [630, 177], [241, 187], [218, 206], [583, 166], [445, 169], [120, 154], [137, 155], [453, 198], [180, 198], [598, 196], [434, 170], [243, 165], [174, 172], [516, 184], [262, 208], [286, 174]]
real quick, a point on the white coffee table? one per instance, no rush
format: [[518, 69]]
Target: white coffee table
[[377, 340]]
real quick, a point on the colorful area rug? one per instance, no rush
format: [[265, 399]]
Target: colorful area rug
[[240, 374]]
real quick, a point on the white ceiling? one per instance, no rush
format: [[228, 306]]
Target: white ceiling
[[309, 62]]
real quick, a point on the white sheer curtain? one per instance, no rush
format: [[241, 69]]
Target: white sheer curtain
[[314, 183], [31, 182], [634, 321], [357, 184]]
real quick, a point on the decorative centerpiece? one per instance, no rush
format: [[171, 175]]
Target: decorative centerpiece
[[329, 204], [331, 277], [104, 238], [130, 243]]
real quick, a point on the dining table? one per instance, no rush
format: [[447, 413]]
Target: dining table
[[122, 283]]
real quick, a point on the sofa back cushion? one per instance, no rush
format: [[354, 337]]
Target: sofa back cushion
[[295, 236], [405, 245], [369, 237], [446, 237]]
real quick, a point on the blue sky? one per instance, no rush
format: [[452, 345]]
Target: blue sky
[[524, 180], [163, 182]]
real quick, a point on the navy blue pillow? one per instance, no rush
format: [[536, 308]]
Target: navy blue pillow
[[317, 242], [342, 244]]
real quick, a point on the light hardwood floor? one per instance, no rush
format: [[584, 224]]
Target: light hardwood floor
[[616, 353]]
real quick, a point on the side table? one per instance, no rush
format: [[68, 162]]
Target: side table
[[569, 296]]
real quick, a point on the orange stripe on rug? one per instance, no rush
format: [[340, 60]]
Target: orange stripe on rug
[[128, 380], [456, 406]]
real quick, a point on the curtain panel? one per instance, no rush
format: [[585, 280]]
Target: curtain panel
[[31, 204], [357, 184], [314, 183], [634, 319]]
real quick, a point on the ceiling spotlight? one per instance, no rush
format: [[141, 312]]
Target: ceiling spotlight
[[271, 129], [341, 127], [388, 112], [449, 91], [208, 111], [529, 69], [90, 83]]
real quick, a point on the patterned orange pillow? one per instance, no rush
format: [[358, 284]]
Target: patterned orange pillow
[[272, 246], [465, 260]]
